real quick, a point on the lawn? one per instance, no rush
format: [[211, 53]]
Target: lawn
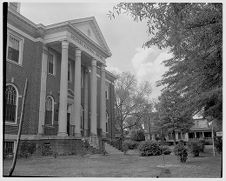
[[130, 165]]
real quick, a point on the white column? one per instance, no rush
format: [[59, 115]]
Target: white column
[[43, 91], [93, 89], [186, 136], [86, 94], [176, 135], [102, 101], [62, 120], [77, 92]]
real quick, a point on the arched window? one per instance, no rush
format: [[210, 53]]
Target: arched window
[[11, 100], [49, 113], [107, 118]]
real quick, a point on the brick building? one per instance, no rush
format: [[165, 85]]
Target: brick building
[[70, 94]]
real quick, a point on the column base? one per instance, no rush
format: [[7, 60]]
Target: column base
[[62, 134], [86, 132]]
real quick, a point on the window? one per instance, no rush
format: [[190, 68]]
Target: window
[[107, 92], [107, 118], [11, 99], [69, 72], [51, 64], [8, 147], [14, 49], [49, 111]]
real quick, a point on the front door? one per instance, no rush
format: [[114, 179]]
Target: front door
[[69, 112], [68, 123]]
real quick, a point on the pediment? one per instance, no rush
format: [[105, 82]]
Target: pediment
[[90, 28]]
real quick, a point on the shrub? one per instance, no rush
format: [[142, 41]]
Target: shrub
[[202, 145], [137, 135], [165, 150], [218, 144], [195, 148], [149, 148], [131, 144], [181, 151], [27, 148], [46, 149], [117, 143]]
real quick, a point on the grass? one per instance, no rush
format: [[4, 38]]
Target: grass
[[130, 165]]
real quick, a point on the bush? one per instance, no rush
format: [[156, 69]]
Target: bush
[[202, 143], [181, 151], [137, 135], [131, 144], [218, 144], [165, 150], [149, 148], [195, 148], [27, 148], [117, 143], [46, 149]]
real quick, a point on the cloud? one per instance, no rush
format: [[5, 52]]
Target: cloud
[[147, 64]]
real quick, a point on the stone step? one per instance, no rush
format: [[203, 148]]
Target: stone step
[[111, 150]]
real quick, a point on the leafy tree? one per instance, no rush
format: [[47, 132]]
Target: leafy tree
[[171, 114], [193, 33], [131, 99]]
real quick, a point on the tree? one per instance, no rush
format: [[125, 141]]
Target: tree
[[193, 33], [131, 99], [171, 114]]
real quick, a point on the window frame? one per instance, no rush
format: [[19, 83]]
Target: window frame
[[17, 101], [21, 47], [54, 63], [53, 103]]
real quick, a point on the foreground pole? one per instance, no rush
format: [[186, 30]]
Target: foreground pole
[[19, 131], [213, 141]]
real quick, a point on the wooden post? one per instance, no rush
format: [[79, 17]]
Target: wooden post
[[19, 131], [214, 153]]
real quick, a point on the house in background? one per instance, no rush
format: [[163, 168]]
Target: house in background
[[70, 94], [200, 130]]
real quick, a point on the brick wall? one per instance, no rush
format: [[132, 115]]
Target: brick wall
[[16, 74]]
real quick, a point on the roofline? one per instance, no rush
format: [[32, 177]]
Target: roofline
[[65, 23], [111, 74], [92, 18]]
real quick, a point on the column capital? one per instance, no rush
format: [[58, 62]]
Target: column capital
[[45, 49], [77, 52], [102, 67], [65, 44]]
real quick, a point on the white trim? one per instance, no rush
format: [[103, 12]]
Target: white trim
[[59, 36], [106, 80], [81, 45], [21, 47], [24, 34], [17, 93], [51, 97]]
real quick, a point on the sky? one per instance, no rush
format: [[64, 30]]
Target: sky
[[124, 37]]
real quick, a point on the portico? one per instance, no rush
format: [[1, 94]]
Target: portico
[[88, 57]]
